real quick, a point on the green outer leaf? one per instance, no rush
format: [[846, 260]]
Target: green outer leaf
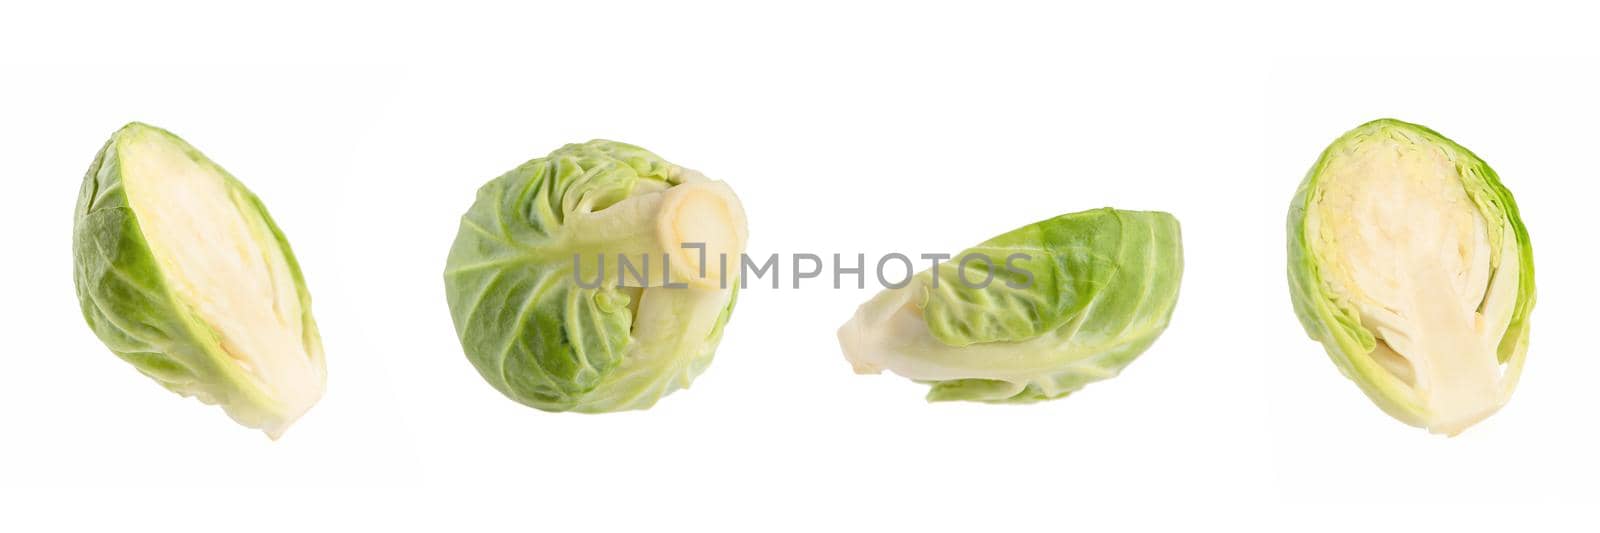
[[652, 372], [1105, 285], [1337, 324], [126, 301], [530, 332], [1071, 259]]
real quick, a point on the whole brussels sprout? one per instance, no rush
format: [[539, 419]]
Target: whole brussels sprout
[[543, 318], [1079, 296], [1409, 263], [181, 272]]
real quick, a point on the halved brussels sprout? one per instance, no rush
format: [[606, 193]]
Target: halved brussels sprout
[[541, 304], [1073, 300], [181, 272], [1409, 263]]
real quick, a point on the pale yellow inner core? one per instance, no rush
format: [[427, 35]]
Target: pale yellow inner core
[[219, 257], [707, 214], [1403, 242]]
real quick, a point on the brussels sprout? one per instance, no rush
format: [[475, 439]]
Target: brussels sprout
[[1409, 263], [181, 272], [544, 318], [1073, 300]]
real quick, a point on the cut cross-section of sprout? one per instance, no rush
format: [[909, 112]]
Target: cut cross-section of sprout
[[1409, 262], [181, 272]]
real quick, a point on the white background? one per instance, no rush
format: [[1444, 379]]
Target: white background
[[848, 128]]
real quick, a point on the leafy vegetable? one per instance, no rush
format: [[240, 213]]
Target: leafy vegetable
[[1409, 263], [534, 327], [1094, 291], [181, 272]]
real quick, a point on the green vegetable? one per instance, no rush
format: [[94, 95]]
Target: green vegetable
[[534, 327], [1093, 291], [181, 272], [1409, 263]]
